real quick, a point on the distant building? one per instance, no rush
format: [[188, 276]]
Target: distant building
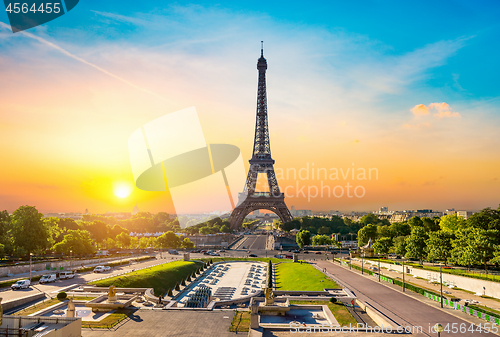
[[135, 210], [464, 214], [383, 209]]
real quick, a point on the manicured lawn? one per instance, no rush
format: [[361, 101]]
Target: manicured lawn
[[241, 322], [338, 310], [161, 278], [296, 276], [109, 321]]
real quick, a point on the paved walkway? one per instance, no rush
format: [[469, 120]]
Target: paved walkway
[[152, 323], [406, 309], [436, 287]]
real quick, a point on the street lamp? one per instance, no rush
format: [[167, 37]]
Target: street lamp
[[441, 281], [31, 254], [403, 258], [379, 267], [438, 328], [362, 263]]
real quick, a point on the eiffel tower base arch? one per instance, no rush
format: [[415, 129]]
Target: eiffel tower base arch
[[252, 203]]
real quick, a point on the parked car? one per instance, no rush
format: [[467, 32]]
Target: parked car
[[252, 255], [66, 274], [173, 252], [306, 252], [296, 251], [101, 269], [289, 256], [215, 254], [48, 278], [21, 284], [317, 253], [279, 256]]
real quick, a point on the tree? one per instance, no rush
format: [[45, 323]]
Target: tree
[[452, 223], [323, 230], [383, 245], [431, 225], [415, 222], [366, 233], [439, 245], [123, 239], [78, 241], [187, 243], [400, 245], [68, 223], [169, 240], [303, 238], [28, 230], [416, 243], [98, 229], [369, 219], [321, 240]]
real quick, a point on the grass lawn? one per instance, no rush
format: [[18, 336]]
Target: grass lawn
[[45, 304], [296, 276], [109, 321], [338, 310], [241, 322], [161, 278]]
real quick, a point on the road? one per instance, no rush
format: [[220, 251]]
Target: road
[[403, 309], [252, 242], [53, 288]]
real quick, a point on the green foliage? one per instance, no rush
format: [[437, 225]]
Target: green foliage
[[416, 243], [439, 245], [333, 300], [366, 233], [62, 295], [320, 240], [187, 243], [169, 240], [383, 245], [78, 241], [28, 230], [452, 223], [303, 238]]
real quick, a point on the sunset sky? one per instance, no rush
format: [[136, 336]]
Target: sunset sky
[[409, 90]]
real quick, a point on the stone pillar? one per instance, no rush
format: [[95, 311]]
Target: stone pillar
[[187, 257], [295, 258], [70, 312], [254, 314]]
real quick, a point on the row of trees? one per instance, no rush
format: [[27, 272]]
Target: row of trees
[[303, 238], [451, 238], [324, 226], [27, 231]]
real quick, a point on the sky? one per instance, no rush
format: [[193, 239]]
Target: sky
[[402, 94]]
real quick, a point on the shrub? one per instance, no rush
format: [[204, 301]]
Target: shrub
[[183, 283], [62, 295], [333, 300], [177, 286], [170, 293]]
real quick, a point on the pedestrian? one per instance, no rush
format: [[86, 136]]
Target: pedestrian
[[159, 299]]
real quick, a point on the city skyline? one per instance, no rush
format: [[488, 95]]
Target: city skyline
[[414, 98]]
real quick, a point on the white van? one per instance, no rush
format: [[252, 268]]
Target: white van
[[66, 274], [21, 284], [101, 269], [48, 278]]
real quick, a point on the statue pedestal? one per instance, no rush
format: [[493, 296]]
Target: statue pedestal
[[112, 299]]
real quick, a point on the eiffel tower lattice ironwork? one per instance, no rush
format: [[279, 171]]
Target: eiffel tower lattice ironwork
[[261, 162]]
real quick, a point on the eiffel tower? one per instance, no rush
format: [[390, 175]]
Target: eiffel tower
[[261, 162]]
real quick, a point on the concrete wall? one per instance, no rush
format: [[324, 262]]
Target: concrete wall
[[21, 301], [67, 265], [475, 285], [67, 326]]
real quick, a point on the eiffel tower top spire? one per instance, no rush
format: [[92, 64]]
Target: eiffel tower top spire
[[261, 146]]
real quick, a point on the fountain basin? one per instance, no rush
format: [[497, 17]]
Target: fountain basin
[[102, 303]]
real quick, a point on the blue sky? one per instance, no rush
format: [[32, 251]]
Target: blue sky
[[364, 82]]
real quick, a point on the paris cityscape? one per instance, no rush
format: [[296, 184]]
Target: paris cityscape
[[219, 169]]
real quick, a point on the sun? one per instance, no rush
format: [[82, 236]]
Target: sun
[[122, 190]]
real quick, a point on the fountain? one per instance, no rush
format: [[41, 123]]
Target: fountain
[[111, 301], [112, 298]]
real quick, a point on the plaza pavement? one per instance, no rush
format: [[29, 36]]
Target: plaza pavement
[[156, 323]]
